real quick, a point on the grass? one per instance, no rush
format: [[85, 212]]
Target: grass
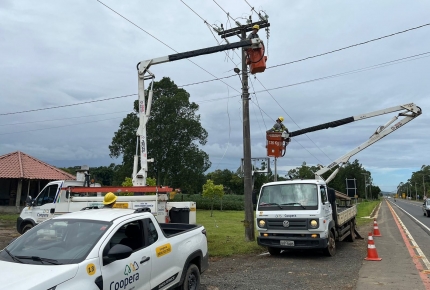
[[8, 217], [364, 209], [226, 233]]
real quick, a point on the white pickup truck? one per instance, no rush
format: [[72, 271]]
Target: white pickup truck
[[105, 249]]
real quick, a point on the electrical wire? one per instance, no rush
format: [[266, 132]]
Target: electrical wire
[[51, 120], [255, 94], [229, 133], [293, 120], [163, 43], [384, 64], [350, 46], [70, 125], [228, 14], [69, 105]]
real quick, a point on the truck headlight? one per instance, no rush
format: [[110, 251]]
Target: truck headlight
[[262, 223], [313, 224]]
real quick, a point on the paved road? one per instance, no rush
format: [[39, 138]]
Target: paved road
[[404, 248]]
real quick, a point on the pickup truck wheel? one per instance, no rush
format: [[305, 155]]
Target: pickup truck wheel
[[331, 246], [26, 228], [274, 251], [192, 278]]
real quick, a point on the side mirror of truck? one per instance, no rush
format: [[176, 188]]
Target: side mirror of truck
[[68, 194], [254, 197], [119, 252], [29, 201]]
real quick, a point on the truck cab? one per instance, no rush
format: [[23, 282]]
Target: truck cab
[[300, 214]]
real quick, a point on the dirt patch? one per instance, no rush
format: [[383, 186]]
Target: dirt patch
[[7, 233]]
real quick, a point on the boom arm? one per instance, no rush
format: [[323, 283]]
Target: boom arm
[[139, 177], [410, 112]]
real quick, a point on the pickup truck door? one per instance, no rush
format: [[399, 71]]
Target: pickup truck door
[[44, 204], [133, 272]]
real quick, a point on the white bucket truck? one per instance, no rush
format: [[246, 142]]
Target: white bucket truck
[[304, 214]]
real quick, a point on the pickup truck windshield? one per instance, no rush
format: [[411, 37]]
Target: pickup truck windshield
[[289, 197], [56, 241]]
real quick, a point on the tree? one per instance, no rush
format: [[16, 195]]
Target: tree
[[212, 191], [173, 135]]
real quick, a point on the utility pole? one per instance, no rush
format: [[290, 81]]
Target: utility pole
[[365, 185], [247, 166]]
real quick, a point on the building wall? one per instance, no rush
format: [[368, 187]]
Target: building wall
[[8, 189]]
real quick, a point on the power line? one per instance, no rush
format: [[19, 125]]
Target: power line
[[162, 42], [60, 126], [228, 14], [69, 105], [350, 46], [50, 120], [293, 122], [388, 63]]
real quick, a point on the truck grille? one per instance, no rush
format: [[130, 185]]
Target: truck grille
[[294, 224]]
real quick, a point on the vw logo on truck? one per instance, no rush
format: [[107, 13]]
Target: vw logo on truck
[[286, 224]]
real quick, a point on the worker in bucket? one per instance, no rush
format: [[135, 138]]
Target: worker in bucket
[[279, 127], [109, 200], [254, 31]]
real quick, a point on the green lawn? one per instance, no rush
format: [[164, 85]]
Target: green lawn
[[364, 209], [8, 217], [226, 233]]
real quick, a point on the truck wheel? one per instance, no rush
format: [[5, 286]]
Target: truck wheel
[[274, 251], [192, 278], [428, 213], [351, 237], [331, 246], [26, 228]]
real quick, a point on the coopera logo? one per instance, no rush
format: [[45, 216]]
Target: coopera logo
[[130, 271]]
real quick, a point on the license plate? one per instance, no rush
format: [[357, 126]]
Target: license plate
[[287, 243], [121, 205]]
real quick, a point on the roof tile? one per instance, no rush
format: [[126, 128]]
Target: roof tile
[[20, 165]]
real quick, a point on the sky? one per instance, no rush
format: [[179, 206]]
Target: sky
[[59, 53]]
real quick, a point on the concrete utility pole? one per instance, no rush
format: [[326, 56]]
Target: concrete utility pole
[[247, 166], [365, 185]]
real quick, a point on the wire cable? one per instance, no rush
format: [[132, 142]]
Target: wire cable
[[350, 46], [228, 14], [380, 65], [293, 120], [162, 42], [69, 105], [51, 120], [75, 124]]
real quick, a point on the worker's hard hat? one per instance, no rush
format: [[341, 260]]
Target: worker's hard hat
[[110, 197], [281, 119], [256, 26]]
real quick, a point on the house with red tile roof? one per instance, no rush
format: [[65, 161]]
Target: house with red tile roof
[[22, 175]]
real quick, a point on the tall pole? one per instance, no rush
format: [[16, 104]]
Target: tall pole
[[249, 209], [275, 178], [249, 222], [424, 187], [416, 194]]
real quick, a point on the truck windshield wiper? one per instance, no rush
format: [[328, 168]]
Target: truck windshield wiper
[[271, 203], [294, 203], [39, 259], [13, 257]]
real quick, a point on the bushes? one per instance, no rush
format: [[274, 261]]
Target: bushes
[[229, 202]]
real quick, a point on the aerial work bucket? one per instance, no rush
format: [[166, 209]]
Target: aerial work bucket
[[256, 59], [275, 144]]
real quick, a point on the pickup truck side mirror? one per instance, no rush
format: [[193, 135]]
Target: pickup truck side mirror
[[119, 252], [68, 194]]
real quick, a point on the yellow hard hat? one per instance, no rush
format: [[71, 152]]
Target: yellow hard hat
[[281, 119], [110, 197], [256, 26]]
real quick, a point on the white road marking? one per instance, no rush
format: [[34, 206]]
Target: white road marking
[[419, 251]]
